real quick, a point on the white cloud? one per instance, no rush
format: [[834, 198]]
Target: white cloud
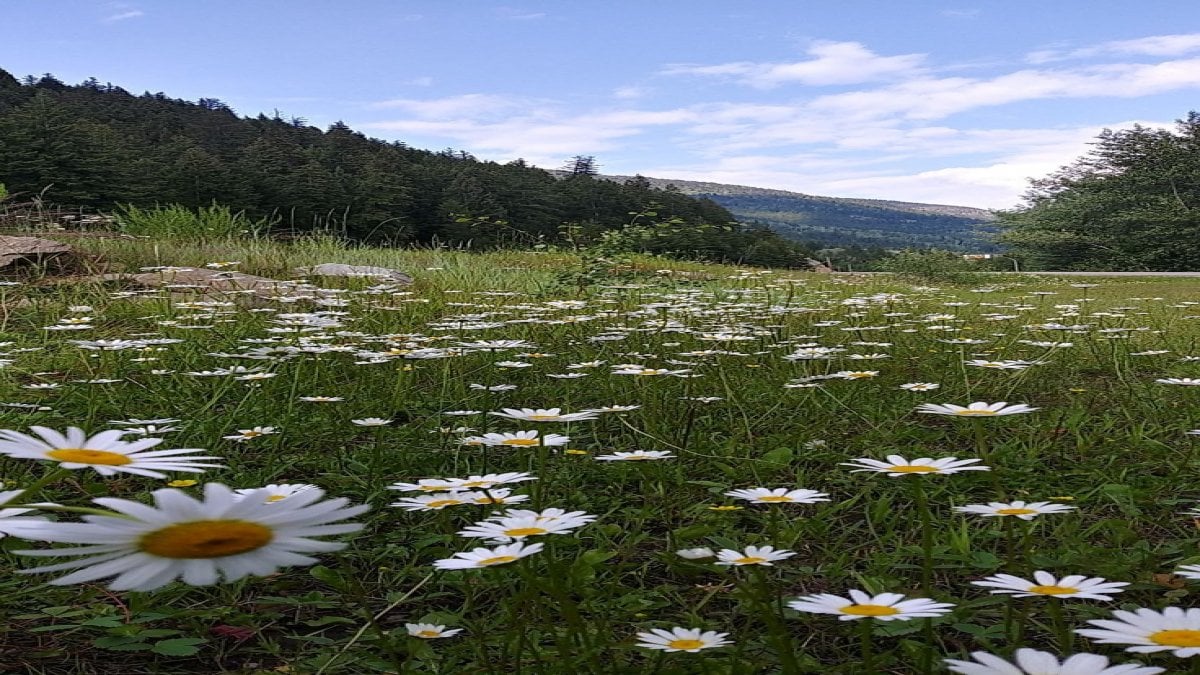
[[1178, 44], [833, 63], [124, 15]]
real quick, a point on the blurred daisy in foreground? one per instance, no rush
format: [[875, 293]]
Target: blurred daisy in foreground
[[885, 606], [1032, 662], [898, 466], [759, 495], [1184, 381], [1019, 509], [977, 409], [201, 541], [1173, 629], [105, 452], [1045, 584], [636, 455], [681, 639]]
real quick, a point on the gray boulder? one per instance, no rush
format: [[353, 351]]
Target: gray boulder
[[32, 249], [342, 270]]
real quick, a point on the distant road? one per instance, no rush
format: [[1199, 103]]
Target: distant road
[[1081, 274]]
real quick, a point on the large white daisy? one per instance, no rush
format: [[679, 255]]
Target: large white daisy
[[1174, 629], [1032, 662], [977, 409], [105, 452], [225, 535], [885, 606], [1045, 584]]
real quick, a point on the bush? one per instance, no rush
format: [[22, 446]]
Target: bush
[[175, 220], [938, 266]]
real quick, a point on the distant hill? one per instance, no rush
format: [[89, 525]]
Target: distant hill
[[842, 221]]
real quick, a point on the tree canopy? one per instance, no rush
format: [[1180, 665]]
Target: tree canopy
[[1132, 203]]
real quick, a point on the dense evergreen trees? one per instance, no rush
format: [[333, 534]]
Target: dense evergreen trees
[[1133, 203], [99, 146]]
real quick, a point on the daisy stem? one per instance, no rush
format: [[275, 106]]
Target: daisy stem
[[868, 646], [775, 628], [926, 535], [1062, 632], [542, 457], [33, 490]]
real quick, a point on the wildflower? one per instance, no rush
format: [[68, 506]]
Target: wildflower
[[726, 507], [488, 557], [1034, 662], [9, 523], [920, 386], [1189, 571], [753, 555], [498, 387], [1173, 629], [104, 452], [544, 415], [322, 399], [433, 502], [613, 409], [182, 483], [510, 528], [636, 455], [371, 422], [471, 482], [681, 640], [429, 631], [244, 435], [520, 439], [274, 492], [999, 365], [885, 606], [1073, 586], [856, 374], [695, 553], [977, 409], [1184, 381], [1019, 509], [761, 495], [198, 541], [898, 466]]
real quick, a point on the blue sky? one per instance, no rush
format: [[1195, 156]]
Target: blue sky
[[956, 102]]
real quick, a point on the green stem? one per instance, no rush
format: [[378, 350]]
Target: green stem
[[775, 628], [926, 535], [868, 646], [33, 490], [1062, 631]]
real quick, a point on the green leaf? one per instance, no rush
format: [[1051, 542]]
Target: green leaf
[[178, 646]]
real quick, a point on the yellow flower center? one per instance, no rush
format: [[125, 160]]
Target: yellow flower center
[[428, 633], [276, 498], [968, 413], [439, 503], [543, 417], [1176, 638], [251, 434], [498, 560], [521, 441], [749, 560], [86, 456], [1053, 590], [650, 371], [432, 488], [576, 452], [524, 531], [775, 498], [206, 539], [870, 610], [914, 468], [685, 644], [1015, 512], [477, 483], [634, 458], [725, 508]]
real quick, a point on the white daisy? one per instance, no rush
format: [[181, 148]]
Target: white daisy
[[274, 492], [199, 541], [105, 452], [1032, 662], [488, 557], [1020, 509], [371, 422], [898, 466], [520, 439], [920, 386], [695, 553], [543, 415], [977, 409], [885, 606], [1045, 584], [636, 455], [753, 555], [516, 528], [681, 639], [1173, 629], [429, 631], [760, 495], [1184, 381]]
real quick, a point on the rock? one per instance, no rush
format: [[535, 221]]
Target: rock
[[213, 282], [32, 249], [342, 270], [818, 266]]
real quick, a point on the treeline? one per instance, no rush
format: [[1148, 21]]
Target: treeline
[[96, 145]]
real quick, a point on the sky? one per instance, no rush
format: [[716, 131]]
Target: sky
[[942, 101]]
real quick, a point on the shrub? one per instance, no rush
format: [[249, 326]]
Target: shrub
[[175, 220]]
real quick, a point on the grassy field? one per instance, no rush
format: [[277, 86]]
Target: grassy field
[[729, 379]]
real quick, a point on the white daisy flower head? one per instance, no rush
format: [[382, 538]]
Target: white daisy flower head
[[478, 558], [753, 555], [1034, 662], [977, 409], [371, 422], [1174, 630], [429, 631], [1181, 381], [1045, 584], [244, 435], [699, 553], [760, 495], [508, 529], [898, 466], [1018, 509], [1186, 571], [544, 415], [860, 605], [105, 452], [920, 386], [201, 541], [274, 492], [681, 639], [494, 496], [636, 455], [520, 439], [434, 502], [10, 520]]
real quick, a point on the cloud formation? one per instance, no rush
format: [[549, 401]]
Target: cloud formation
[[831, 63]]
